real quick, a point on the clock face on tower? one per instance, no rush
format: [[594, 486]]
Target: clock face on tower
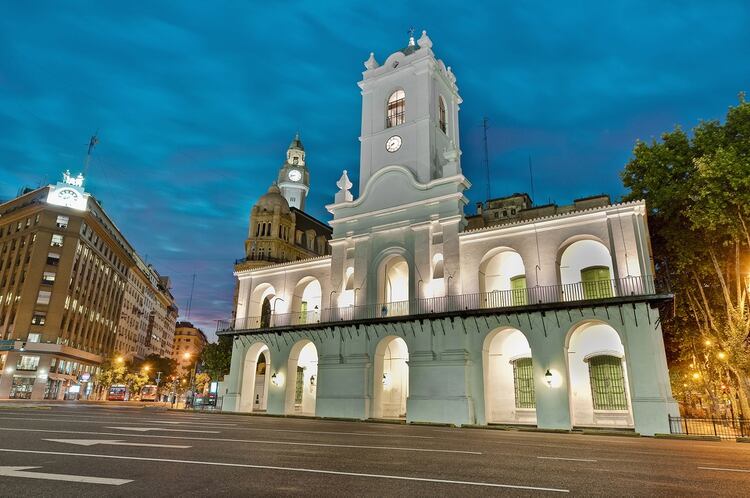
[[393, 143], [68, 196], [295, 175]]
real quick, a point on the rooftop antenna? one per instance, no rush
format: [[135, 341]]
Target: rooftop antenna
[[190, 299], [92, 143], [485, 125], [531, 177]]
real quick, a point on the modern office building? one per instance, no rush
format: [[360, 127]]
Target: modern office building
[[64, 271]]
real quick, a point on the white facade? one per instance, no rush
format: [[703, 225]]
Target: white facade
[[545, 321]]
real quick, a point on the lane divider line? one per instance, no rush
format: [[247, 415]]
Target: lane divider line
[[249, 441], [292, 469], [724, 470], [568, 459]]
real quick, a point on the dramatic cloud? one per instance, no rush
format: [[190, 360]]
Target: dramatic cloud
[[196, 102]]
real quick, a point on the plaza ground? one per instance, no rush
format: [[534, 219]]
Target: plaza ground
[[198, 454]]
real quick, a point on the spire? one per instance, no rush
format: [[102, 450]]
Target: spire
[[411, 37], [296, 143], [344, 184]]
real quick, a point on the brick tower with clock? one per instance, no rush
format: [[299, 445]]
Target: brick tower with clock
[[294, 178]]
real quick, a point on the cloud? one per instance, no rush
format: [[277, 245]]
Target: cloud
[[196, 103]]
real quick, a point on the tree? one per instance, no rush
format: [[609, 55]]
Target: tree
[[697, 191], [156, 364], [111, 372], [201, 381], [136, 381], [217, 357]]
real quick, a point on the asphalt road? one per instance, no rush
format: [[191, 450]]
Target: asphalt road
[[85, 450]]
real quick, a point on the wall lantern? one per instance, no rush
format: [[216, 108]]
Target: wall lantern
[[9, 370], [386, 379], [548, 377], [276, 379], [312, 380]]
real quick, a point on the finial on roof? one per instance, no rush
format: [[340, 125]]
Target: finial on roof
[[424, 41], [371, 63], [411, 37], [344, 184]]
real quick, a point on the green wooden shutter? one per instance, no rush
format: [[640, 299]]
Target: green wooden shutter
[[303, 312], [523, 381], [299, 385], [596, 282], [607, 383], [518, 290]]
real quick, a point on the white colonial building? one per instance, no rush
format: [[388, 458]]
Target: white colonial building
[[544, 317]]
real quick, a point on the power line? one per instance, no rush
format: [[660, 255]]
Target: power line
[[190, 299]]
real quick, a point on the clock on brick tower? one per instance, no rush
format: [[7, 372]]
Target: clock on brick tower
[[294, 179]]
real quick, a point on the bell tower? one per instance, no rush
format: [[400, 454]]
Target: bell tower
[[410, 109], [294, 178]]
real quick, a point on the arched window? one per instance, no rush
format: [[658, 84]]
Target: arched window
[[396, 109], [607, 383], [441, 113]]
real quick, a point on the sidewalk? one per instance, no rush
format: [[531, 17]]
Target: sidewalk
[[18, 403]]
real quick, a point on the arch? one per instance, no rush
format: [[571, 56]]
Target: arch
[[302, 377], [442, 115], [259, 310], [436, 287], [586, 270], [598, 376], [348, 292], [502, 278], [390, 378], [395, 113], [393, 284], [255, 378], [509, 384], [307, 301]]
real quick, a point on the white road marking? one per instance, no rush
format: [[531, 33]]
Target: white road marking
[[249, 441], [292, 469], [23, 472], [190, 423], [148, 421], [725, 470], [112, 442], [569, 459], [161, 429]]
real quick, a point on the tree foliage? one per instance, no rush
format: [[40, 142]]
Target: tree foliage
[[217, 357], [697, 191]]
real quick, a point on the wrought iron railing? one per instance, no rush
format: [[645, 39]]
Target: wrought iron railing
[[580, 291], [725, 428]]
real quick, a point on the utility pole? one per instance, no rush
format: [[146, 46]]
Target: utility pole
[[190, 299], [487, 158], [92, 143]]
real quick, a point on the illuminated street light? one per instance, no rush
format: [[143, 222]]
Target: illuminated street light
[[119, 359], [696, 376], [722, 355], [708, 343]]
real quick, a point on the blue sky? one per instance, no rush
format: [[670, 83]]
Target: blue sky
[[196, 102]]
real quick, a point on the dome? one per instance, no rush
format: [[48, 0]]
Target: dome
[[271, 199]]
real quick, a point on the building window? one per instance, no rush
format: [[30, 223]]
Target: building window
[[299, 385], [33, 337], [523, 381], [39, 318], [57, 240], [62, 221], [43, 297], [441, 114], [53, 259], [518, 290], [28, 363], [596, 282], [396, 109], [607, 383]]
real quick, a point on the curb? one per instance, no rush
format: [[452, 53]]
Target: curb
[[688, 437], [611, 433]]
